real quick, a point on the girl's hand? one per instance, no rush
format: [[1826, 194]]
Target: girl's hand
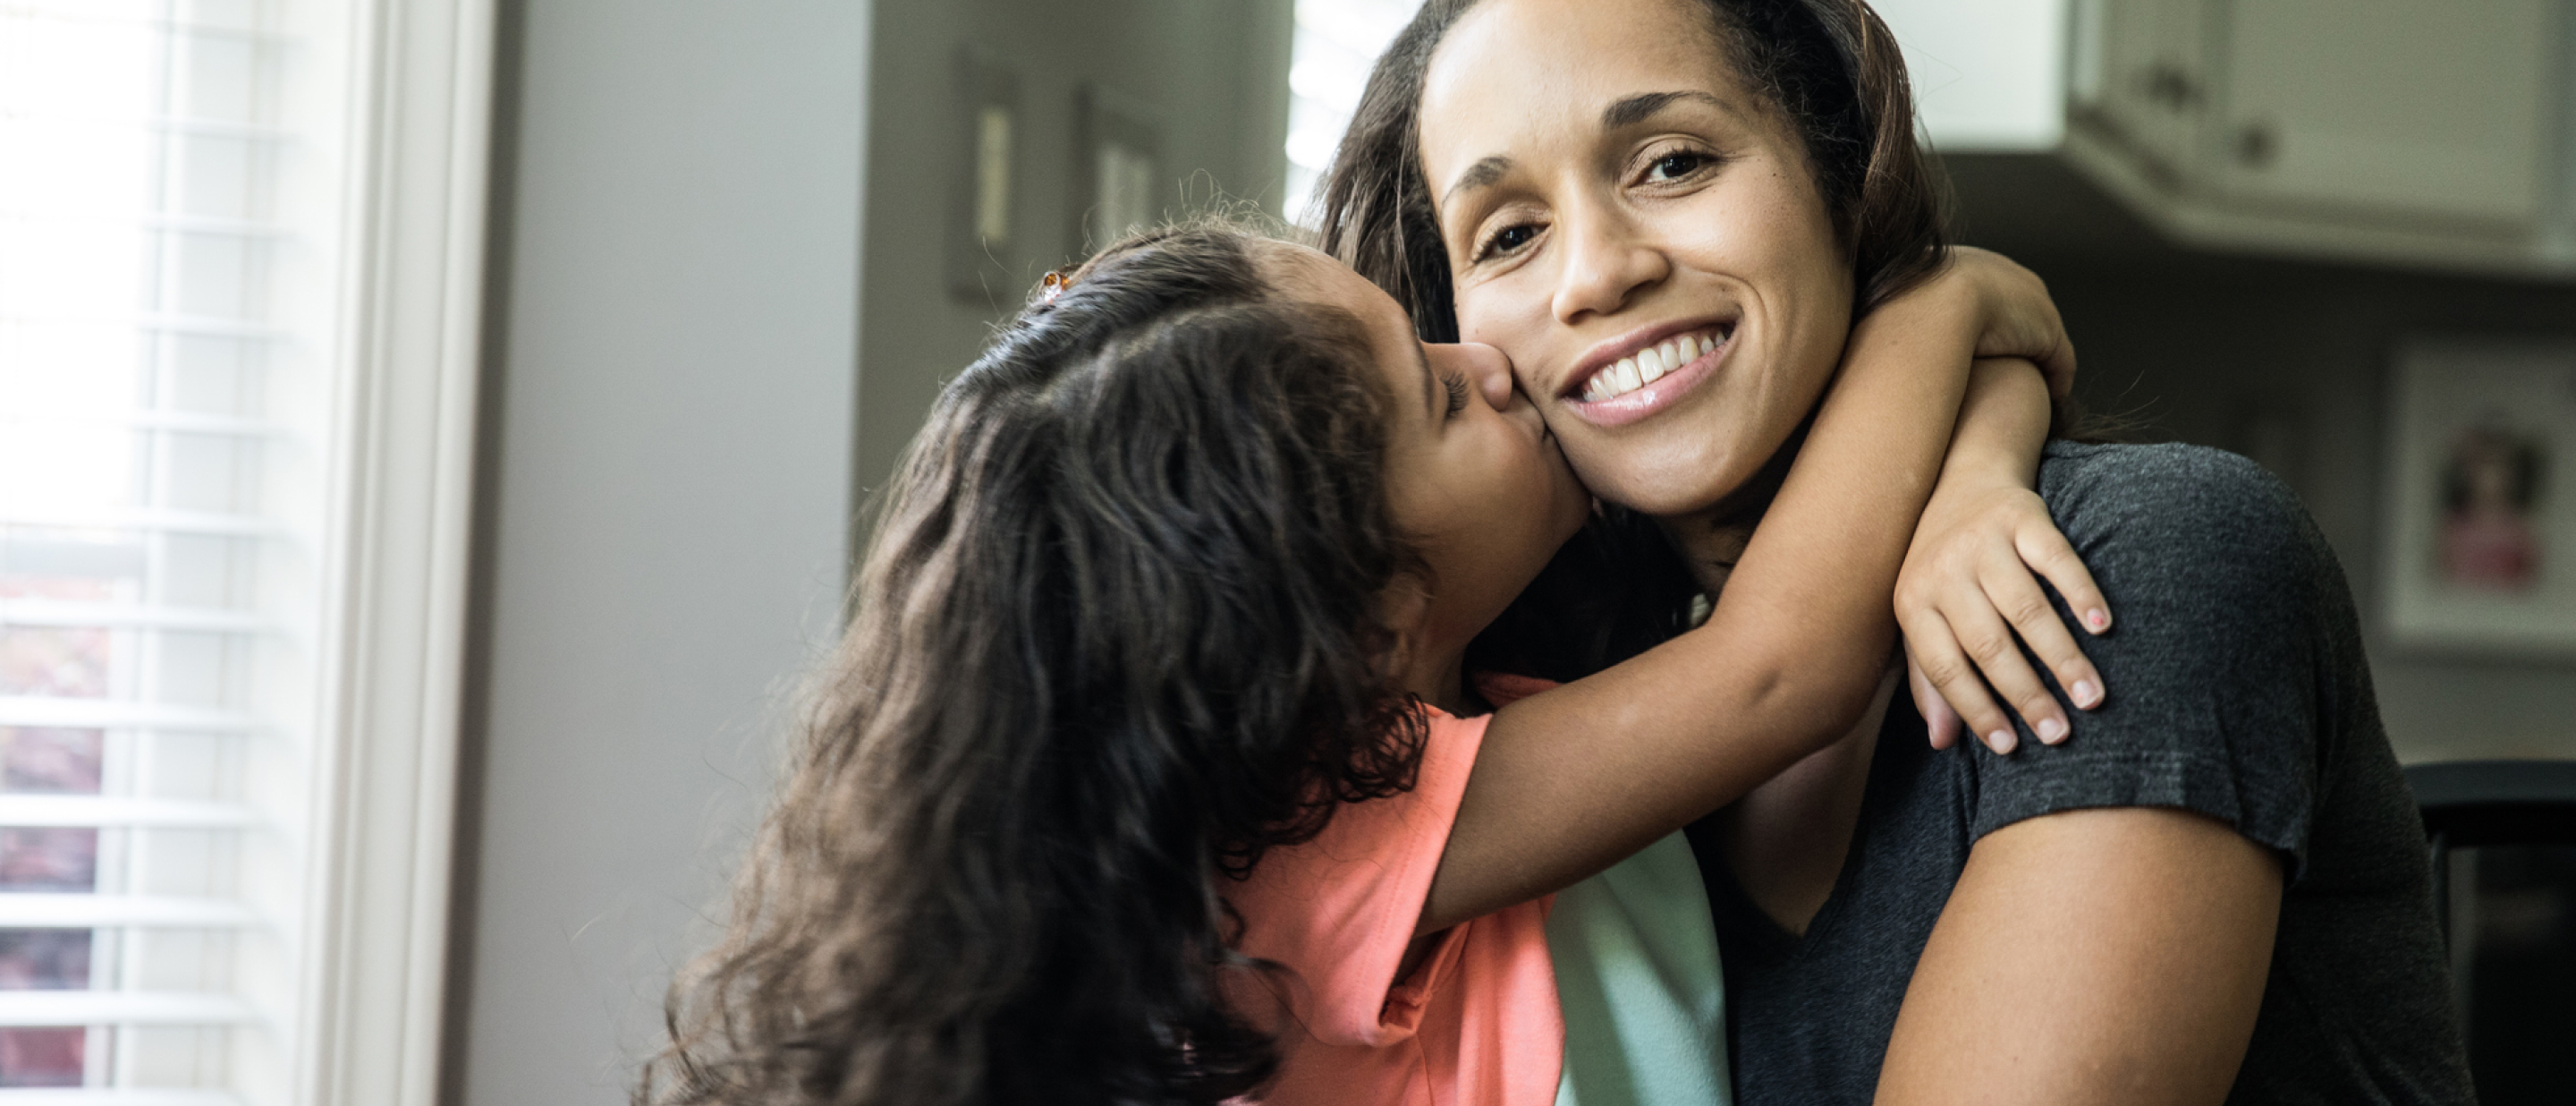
[[1966, 591], [2014, 314]]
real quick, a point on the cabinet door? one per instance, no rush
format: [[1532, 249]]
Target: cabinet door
[[2421, 109], [2141, 70]]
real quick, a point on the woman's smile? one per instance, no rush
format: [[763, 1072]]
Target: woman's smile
[[1633, 377]]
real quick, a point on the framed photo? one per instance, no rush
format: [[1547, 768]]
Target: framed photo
[[2480, 540], [1117, 174], [983, 181]]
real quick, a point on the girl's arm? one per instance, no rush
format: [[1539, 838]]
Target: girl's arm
[[1967, 590], [1570, 780]]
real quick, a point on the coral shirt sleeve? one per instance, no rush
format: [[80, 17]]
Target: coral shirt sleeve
[[1335, 915]]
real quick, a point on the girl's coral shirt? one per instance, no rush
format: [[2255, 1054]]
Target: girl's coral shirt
[[1475, 1023]]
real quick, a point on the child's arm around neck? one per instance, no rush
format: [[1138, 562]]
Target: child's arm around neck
[[1569, 781]]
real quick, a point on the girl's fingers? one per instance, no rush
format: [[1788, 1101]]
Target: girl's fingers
[[1940, 723], [2018, 597], [2047, 553], [1988, 641], [1928, 641]]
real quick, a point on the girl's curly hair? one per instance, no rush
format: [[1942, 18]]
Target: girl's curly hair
[[1113, 638]]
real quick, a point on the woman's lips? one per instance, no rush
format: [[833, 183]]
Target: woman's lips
[[1653, 396]]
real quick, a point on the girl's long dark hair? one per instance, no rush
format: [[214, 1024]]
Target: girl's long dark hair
[[1834, 72], [1113, 638]]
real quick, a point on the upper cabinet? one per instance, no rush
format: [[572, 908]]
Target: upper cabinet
[[2141, 77], [2422, 132], [2409, 108]]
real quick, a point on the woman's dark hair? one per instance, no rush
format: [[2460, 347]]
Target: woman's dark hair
[[1113, 638], [1833, 71]]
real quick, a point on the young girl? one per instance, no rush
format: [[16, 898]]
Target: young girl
[[1149, 771]]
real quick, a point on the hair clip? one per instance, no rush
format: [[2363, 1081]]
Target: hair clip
[[1055, 284]]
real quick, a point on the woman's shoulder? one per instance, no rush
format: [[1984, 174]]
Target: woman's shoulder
[[2183, 506], [2167, 480]]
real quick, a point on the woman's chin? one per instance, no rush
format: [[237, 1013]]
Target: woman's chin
[[1670, 490]]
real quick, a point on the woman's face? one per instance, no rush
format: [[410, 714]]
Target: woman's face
[[1474, 479], [1640, 233]]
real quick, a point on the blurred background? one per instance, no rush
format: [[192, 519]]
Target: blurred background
[[695, 272]]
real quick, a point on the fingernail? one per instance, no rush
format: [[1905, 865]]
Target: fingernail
[[2097, 620], [2085, 694], [2000, 741], [2051, 731]]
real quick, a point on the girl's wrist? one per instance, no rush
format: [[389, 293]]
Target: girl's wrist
[[2003, 426]]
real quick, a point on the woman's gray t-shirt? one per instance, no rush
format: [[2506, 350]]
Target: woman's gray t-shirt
[[2238, 690]]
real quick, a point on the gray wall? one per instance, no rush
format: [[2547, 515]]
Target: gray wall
[[1215, 72], [666, 489], [2288, 363]]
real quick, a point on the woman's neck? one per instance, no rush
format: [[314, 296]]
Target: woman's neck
[[1713, 538], [1710, 545]]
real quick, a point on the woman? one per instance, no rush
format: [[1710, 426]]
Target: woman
[[1571, 181]]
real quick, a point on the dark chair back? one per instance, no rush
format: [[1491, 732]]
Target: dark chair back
[[2513, 953], [2470, 803]]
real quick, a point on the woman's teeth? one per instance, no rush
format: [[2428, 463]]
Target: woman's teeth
[[1649, 365]]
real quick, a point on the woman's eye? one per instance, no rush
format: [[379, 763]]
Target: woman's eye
[[1674, 166], [1506, 240], [1457, 386]]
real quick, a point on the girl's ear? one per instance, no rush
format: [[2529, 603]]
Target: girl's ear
[[1402, 609]]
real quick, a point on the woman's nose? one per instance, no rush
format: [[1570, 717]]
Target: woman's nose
[[1604, 264]]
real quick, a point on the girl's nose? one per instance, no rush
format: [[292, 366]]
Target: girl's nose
[[1490, 370]]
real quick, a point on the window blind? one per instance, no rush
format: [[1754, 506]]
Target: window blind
[[170, 188], [1336, 43]]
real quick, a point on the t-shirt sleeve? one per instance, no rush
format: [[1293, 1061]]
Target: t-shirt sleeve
[[1334, 917], [2217, 582]]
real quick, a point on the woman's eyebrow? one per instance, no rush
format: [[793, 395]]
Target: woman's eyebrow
[[1637, 109], [1482, 174]]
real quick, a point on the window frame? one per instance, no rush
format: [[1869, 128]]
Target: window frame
[[398, 553]]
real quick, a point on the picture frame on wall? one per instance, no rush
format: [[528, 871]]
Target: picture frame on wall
[[1117, 179], [983, 212], [2479, 547]]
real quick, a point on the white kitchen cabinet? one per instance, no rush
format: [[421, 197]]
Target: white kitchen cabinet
[[2142, 77], [2415, 132], [2403, 109]]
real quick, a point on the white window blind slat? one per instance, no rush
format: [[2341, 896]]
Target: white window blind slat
[[121, 1008], [132, 616], [21, 1096], [113, 714], [104, 811], [169, 422], [167, 124], [180, 325], [38, 910], [161, 520], [171, 221]]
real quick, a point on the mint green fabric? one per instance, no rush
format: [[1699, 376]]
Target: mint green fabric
[[1637, 975]]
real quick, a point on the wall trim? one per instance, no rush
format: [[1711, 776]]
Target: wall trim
[[400, 551]]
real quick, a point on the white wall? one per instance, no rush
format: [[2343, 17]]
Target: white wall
[[675, 369]]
